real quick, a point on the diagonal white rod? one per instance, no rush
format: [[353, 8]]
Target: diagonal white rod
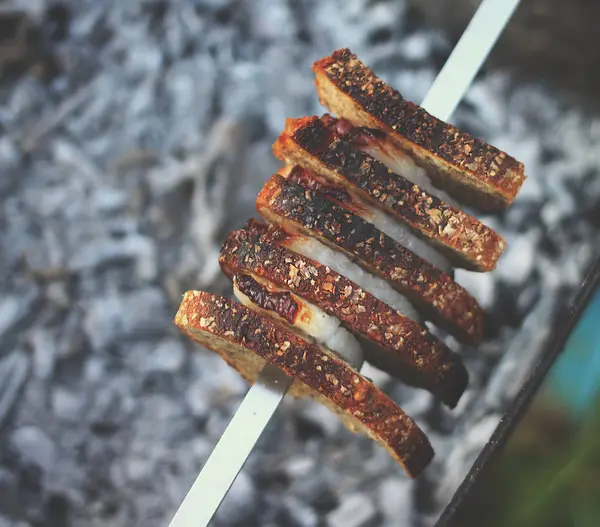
[[232, 450], [467, 57]]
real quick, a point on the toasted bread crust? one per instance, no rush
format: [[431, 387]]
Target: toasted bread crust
[[475, 172], [442, 300], [311, 142], [426, 362], [230, 329]]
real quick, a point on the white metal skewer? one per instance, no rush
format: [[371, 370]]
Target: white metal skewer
[[263, 398], [232, 450], [467, 56]]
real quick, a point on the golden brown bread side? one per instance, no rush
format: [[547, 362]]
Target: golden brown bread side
[[474, 172], [248, 341], [318, 144], [402, 347], [440, 298]]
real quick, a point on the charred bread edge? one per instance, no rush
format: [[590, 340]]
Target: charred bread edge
[[428, 362], [463, 238], [448, 304], [281, 305], [475, 172], [233, 330]]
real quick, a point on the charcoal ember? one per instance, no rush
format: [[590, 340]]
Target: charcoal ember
[[223, 382], [214, 4], [71, 342], [414, 402], [151, 510], [316, 420], [318, 493], [298, 467], [193, 85], [481, 285], [394, 501], [168, 356], [58, 294], [135, 247], [109, 319], [109, 410], [517, 263], [9, 486], [482, 111], [289, 511], [9, 152], [12, 310], [14, 369], [67, 405], [378, 377], [419, 46], [268, 476], [57, 509], [464, 455], [414, 83], [298, 514], [238, 505], [355, 510], [24, 46], [33, 447], [529, 296], [196, 397]]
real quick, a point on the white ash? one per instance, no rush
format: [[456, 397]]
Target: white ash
[[356, 510], [14, 369], [298, 514], [66, 404], [195, 397], [33, 447], [394, 501], [121, 176], [168, 356], [11, 310]]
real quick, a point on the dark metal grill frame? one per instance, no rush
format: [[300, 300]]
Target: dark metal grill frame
[[563, 324]]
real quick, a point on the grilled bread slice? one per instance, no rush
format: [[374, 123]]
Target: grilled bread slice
[[309, 213], [331, 148], [390, 340], [384, 222], [248, 341], [474, 172]]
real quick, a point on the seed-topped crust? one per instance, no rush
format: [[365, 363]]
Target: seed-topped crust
[[473, 171], [247, 341], [405, 349], [326, 147], [441, 299]]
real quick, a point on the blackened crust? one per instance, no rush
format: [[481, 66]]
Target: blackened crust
[[314, 144], [425, 361], [442, 300], [231, 330], [475, 172], [279, 302]]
